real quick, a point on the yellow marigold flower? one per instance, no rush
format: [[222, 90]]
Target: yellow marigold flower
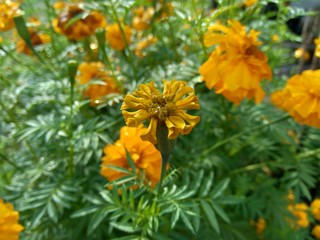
[[236, 67], [115, 38], [95, 71], [299, 210], [143, 44], [249, 3], [275, 38], [36, 40], [316, 231], [300, 53], [301, 98], [142, 18], [8, 10], [80, 28], [167, 109], [315, 208], [9, 225], [317, 50], [144, 155], [0, 40]]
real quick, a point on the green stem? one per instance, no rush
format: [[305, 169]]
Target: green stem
[[130, 55], [229, 139]]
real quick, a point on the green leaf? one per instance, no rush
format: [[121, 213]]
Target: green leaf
[[130, 161], [174, 218], [219, 210], [207, 185], [187, 222], [97, 218], [84, 212], [219, 189], [211, 216]]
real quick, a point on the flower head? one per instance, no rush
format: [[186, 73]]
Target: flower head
[[144, 155], [142, 18], [8, 10], [143, 44], [249, 3], [96, 91], [315, 208], [167, 109], [301, 98], [115, 38], [236, 67], [74, 28], [317, 50], [299, 210], [300, 53], [316, 231], [9, 226]]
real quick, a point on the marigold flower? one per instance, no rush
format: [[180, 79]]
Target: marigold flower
[[144, 155], [316, 231], [143, 44], [236, 67], [96, 91], [275, 38], [299, 210], [300, 53], [8, 10], [301, 98], [142, 18], [315, 208], [36, 40], [249, 3], [317, 50], [259, 225], [9, 225], [167, 108], [78, 29], [115, 38]]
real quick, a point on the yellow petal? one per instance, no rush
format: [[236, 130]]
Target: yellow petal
[[151, 133]]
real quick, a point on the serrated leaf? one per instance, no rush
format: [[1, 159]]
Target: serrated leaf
[[205, 187], [219, 210], [219, 189], [52, 211], [84, 212], [187, 222], [211, 216], [97, 218], [174, 218]]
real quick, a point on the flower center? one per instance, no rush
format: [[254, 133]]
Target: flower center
[[161, 107]]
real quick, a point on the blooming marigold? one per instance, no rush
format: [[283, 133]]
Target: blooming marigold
[[95, 71], [9, 226], [8, 10], [316, 231], [36, 40], [315, 208], [115, 38], [300, 53], [317, 50], [144, 155], [142, 18], [301, 98], [236, 67], [167, 109], [76, 29], [249, 3], [143, 44], [299, 210]]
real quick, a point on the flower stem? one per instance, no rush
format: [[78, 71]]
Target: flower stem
[[235, 136]]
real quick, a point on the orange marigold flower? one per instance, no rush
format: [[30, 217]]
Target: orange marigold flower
[[299, 210], [96, 91], [76, 29], [9, 225], [144, 155], [167, 109], [315, 208], [36, 40], [142, 18], [249, 3], [301, 98], [300, 53], [8, 10], [143, 44], [115, 38], [317, 50], [316, 231], [236, 67]]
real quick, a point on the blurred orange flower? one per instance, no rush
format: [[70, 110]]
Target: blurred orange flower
[[115, 38], [77, 24], [300, 53], [167, 109], [9, 225], [249, 3], [143, 44], [315, 208], [316, 231], [96, 91], [142, 18], [144, 155], [301, 98], [236, 67], [317, 50], [300, 211], [8, 10]]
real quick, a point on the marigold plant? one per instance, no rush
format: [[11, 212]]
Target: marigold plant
[[116, 38]]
